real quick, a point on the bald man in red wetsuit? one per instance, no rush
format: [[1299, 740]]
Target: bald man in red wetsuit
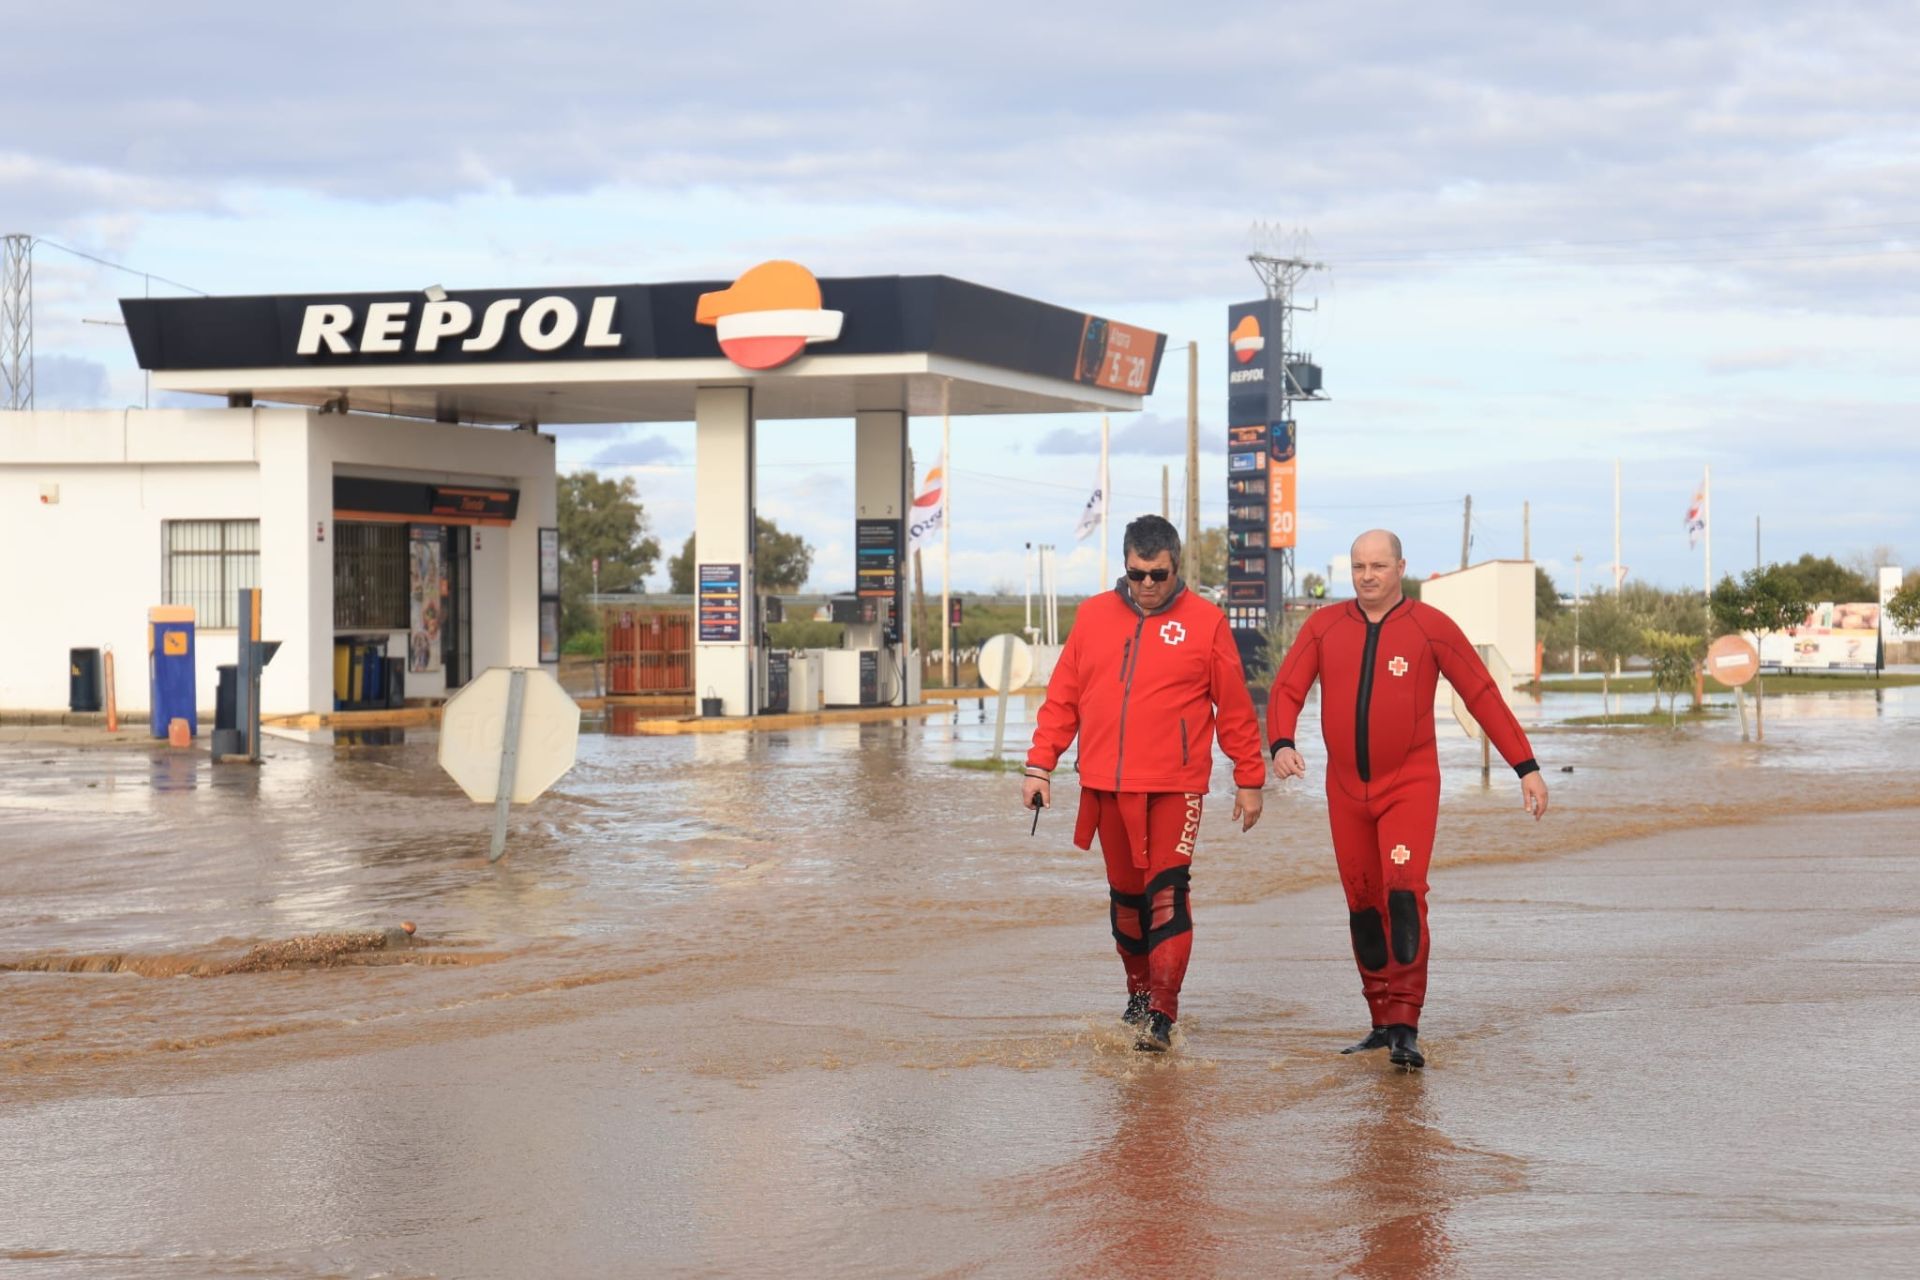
[[1378, 660]]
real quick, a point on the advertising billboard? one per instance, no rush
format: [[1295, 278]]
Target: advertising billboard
[[1835, 637]]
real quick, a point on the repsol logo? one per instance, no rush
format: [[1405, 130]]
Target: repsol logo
[[545, 324], [1246, 375]]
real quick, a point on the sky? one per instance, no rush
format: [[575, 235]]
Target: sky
[[1675, 236]]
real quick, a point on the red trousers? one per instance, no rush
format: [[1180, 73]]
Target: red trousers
[[1383, 840], [1147, 840]]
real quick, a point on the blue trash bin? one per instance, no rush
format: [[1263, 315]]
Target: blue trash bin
[[170, 668]]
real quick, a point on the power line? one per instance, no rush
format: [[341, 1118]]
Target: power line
[[132, 271]]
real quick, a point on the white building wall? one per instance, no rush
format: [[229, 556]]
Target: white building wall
[[506, 569], [82, 571], [1493, 602]]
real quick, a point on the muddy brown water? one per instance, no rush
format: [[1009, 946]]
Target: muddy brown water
[[815, 1004]]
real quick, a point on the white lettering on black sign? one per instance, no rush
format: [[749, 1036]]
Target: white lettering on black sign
[[546, 324]]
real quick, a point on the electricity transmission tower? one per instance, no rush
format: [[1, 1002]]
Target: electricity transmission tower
[[16, 321]]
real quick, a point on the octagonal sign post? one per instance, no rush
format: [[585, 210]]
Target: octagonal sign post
[[506, 738]]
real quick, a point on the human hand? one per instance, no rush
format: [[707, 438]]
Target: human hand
[[1289, 764], [1036, 792], [1247, 804], [1533, 791]]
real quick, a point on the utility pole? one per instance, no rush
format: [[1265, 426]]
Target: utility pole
[[1577, 558], [1166, 508], [1106, 506], [16, 321], [1192, 538], [1526, 531], [1466, 531]]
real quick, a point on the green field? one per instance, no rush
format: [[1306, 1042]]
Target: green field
[[1639, 720]]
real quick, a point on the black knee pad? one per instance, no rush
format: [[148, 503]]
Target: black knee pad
[[1403, 909], [1177, 880], [1135, 905], [1369, 939]]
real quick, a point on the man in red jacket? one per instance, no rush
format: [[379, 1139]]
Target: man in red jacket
[[1378, 661], [1148, 676]]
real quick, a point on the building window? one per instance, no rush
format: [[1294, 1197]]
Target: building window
[[370, 577], [208, 562]]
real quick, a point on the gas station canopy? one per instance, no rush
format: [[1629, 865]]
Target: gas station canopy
[[638, 353]]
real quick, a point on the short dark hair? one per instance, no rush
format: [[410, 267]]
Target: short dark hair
[[1148, 536]]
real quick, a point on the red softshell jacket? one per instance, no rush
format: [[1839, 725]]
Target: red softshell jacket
[[1377, 682], [1146, 693]]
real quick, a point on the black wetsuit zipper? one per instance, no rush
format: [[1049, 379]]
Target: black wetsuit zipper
[[1363, 701], [1129, 660]]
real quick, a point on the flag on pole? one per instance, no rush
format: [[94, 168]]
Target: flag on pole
[[929, 512], [1697, 516], [1090, 515]]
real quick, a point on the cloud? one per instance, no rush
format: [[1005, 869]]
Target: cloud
[[1760, 360], [1149, 434], [70, 382], [639, 452], [1498, 133]]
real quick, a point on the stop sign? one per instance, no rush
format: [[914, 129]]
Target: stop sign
[[474, 724]]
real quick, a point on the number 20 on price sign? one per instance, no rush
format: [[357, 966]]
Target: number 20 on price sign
[[1281, 505]]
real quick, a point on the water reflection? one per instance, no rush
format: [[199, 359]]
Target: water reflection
[[174, 771], [1396, 1182]]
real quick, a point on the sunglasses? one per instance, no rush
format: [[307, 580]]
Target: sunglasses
[[1141, 575]]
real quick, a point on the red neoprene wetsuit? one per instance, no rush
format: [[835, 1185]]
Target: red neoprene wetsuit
[[1146, 695], [1377, 682]]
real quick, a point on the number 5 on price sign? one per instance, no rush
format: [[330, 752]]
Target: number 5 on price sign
[[1282, 504]]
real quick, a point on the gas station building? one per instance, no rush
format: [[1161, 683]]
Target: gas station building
[[381, 467]]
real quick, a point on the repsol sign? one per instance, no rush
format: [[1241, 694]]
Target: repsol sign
[[541, 325]]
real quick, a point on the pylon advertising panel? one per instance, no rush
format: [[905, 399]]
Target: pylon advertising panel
[[1262, 509]]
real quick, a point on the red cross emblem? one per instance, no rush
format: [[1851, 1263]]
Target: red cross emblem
[[1398, 666], [1172, 632], [1400, 853]]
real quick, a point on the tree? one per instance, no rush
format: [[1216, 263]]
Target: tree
[[1674, 655], [1546, 598], [1206, 559], [1867, 563], [1904, 608], [1823, 578], [1677, 612], [781, 561], [600, 519], [1314, 587], [680, 569], [1612, 631], [1763, 601]]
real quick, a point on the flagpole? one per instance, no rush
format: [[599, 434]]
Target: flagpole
[[1106, 501], [946, 532], [1616, 527], [1706, 525]]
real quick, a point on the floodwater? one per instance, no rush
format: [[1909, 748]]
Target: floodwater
[[816, 1004]]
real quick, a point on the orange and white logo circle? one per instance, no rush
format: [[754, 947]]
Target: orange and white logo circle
[[769, 315], [1246, 340]]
